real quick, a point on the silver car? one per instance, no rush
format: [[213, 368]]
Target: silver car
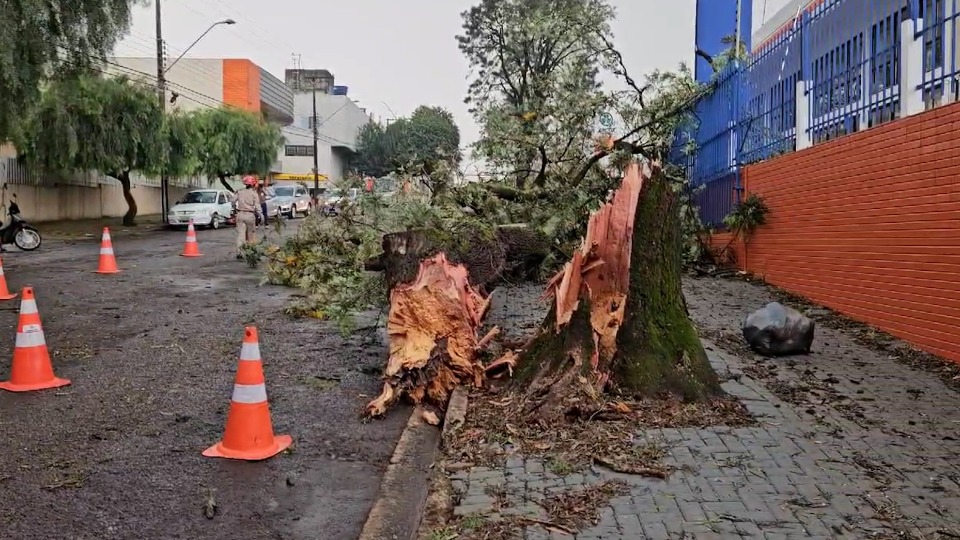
[[338, 198], [292, 200]]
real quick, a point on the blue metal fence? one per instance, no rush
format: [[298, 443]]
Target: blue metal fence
[[843, 59]]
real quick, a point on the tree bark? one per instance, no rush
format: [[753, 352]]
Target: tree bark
[[658, 349], [223, 182], [130, 218], [513, 252], [619, 320], [404, 251]]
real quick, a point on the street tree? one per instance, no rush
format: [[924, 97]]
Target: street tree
[[184, 141], [91, 123], [374, 151], [536, 97], [534, 91], [426, 146], [55, 38], [233, 142], [427, 140]]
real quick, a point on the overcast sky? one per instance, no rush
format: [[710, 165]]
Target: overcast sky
[[392, 54]]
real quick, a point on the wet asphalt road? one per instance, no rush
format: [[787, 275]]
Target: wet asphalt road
[[152, 353]]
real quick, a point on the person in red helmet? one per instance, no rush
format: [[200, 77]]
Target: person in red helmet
[[248, 213]]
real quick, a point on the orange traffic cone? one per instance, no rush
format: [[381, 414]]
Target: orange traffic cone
[[191, 249], [31, 369], [108, 262], [5, 293], [249, 432]]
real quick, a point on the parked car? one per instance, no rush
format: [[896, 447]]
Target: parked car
[[206, 207], [293, 200], [337, 198], [273, 202]]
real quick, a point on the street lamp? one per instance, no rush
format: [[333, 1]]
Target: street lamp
[[207, 31], [162, 91]]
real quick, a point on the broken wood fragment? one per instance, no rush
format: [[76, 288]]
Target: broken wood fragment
[[432, 327]]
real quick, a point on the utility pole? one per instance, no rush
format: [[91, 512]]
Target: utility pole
[[736, 43], [316, 135], [162, 94]]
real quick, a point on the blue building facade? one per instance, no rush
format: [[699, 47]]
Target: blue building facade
[[715, 20], [834, 68]]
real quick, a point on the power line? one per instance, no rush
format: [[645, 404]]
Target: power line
[[253, 29], [149, 52], [211, 102]]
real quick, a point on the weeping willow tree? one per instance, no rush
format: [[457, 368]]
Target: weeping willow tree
[[40, 40], [92, 123]]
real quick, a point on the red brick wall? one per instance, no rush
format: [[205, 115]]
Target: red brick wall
[[869, 225]]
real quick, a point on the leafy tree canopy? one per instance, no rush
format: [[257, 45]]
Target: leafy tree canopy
[[374, 152], [423, 144], [537, 97], [534, 90], [89, 123], [54, 37], [232, 142]]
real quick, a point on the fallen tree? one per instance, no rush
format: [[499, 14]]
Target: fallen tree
[[433, 329], [489, 254], [618, 322]]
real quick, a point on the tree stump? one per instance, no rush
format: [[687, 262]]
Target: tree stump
[[482, 254], [618, 320]]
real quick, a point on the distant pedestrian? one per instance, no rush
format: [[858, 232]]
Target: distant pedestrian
[[262, 194], [248, 212]]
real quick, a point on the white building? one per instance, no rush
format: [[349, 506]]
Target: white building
[[339, 122]]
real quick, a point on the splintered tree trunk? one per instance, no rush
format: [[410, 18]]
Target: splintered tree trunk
[[432, 328], [130, 218], [618, 320]]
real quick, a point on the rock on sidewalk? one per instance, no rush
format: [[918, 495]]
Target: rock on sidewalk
[[778, 330]]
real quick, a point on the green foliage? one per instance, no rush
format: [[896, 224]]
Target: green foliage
[[536, 96], [326, 258], [92, 123], [423, 144], [184, 140], [534, 91], [51, 38], [426, 141], [749, 214], [694, 236], [89, 123], [234, 142], [734, 51], [374, 151]]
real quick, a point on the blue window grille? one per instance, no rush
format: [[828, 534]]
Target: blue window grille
[[843, 58]]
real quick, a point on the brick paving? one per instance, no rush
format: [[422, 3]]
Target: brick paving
[[862, 447]]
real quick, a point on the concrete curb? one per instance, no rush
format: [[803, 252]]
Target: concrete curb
[[399, 507], [456, 413]]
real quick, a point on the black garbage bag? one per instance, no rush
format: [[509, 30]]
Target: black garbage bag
[[777, 330]]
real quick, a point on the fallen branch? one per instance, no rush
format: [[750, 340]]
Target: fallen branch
[[652, 472]]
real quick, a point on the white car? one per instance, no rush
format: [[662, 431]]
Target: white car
[[206, 207]]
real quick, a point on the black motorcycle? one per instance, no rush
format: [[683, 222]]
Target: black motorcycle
[[18, 231]]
